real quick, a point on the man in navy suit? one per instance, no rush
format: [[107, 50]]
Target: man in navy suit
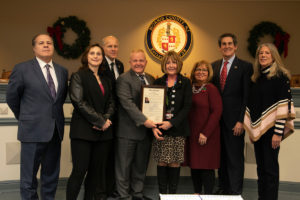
[[232, 78], [36, 93]]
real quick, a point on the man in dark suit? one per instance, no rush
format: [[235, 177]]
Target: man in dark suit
[[112, 68], [111, 65], [133, 131], [36, 93], [232, 78]]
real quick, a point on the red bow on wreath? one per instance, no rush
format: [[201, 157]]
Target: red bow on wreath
[[282, 38], [57, 32]]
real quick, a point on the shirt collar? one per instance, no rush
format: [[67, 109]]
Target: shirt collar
[[140, 74], [42, 63], [230, 60], [110, 61]]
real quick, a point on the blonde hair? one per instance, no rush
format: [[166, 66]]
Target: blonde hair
[[209, 67], [137, 51], [276, 68], [174, 57]]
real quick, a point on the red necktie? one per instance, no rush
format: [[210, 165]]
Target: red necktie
[[223, 75]]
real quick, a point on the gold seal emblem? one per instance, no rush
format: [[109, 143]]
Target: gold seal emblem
[[168, 32]]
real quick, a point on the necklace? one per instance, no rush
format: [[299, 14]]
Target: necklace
[[196, 91]]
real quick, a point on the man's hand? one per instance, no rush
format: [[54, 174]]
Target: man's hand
[[238, 129], [149, 124]]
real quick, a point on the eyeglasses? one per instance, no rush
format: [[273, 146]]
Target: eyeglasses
[[201, 70]]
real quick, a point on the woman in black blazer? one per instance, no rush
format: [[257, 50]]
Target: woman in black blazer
[[168, 147], [90, 130]]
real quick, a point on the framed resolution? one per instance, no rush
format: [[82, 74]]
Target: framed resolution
[[153, 102]]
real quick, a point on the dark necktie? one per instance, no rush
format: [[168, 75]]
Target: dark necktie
[[50, 82], [223, 75], [112, 69], [142, 79]]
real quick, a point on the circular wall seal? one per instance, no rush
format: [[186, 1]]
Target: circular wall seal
[[166, 33]]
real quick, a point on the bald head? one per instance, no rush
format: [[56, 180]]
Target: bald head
[[111, 47]]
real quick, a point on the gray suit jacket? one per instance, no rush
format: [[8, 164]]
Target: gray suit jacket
[[130, 118], [29, 97]]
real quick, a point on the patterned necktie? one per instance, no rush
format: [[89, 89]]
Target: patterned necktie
[[223, 75], [50, 82], [112, 69], [142, 79]]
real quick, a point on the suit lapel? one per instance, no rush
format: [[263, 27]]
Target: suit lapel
[[37, 70], [149, 78], [59, 80], [118, 63], [217, 72], [137, 83]]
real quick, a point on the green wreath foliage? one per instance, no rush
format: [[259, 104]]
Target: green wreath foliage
[[83, 40], [260, 30]]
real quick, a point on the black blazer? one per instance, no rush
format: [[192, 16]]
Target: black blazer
[[105, 70], [91, 107], [183, 103], [236, 90]]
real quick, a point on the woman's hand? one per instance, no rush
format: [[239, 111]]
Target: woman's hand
[[238, 129], [106, 125], [165, 125], [276, 139], [202, 139], [157, 134]]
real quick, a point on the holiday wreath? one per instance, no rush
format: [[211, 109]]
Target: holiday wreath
[[281, 38], [57, 33]]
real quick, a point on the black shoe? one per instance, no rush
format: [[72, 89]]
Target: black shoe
[[141, 198], [114, 195], [220, 192]]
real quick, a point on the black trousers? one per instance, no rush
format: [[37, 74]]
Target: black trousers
[[231, 172], [267, 167], [205, 178], [89, 159]]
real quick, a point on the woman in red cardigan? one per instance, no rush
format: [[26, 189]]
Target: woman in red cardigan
[[203, 146]]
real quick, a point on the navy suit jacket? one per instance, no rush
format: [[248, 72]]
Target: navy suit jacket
[[236, 90], [29, 97]]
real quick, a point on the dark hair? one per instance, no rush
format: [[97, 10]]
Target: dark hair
[[227, 35], [37, 35], [84, 57]]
